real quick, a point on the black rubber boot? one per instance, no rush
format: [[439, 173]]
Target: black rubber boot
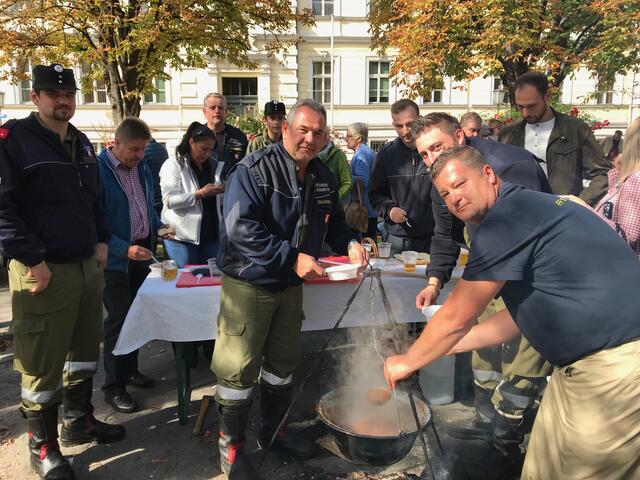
[[45, 457], [273, 405], [79, 426], [480, 426], [234, 463], [504, 458]]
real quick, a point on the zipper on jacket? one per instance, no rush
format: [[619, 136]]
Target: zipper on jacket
[[303, 222]]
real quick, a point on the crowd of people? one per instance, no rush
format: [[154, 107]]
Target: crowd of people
[[550, 218]]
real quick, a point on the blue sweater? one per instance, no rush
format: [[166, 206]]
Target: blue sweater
[[361, 165], [116, 205]]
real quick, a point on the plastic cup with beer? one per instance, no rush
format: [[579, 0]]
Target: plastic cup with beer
[[409, 258], [169, 270]]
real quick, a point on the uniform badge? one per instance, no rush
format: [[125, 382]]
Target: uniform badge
[[4, 133]]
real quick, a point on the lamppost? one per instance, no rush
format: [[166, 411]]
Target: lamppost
[[498, 97], [1, 105]]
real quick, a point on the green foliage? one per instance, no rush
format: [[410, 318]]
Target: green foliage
[[249, 122], [130, 43], [463, 39]]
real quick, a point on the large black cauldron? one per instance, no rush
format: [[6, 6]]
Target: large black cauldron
[[354, 424]]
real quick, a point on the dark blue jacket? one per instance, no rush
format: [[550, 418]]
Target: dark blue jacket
[[269, 217], [155, 155], [50, 208], [400, 178], [116, 203], [512, 164]]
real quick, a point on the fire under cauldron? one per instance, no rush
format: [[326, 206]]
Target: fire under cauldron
[[368, 434]]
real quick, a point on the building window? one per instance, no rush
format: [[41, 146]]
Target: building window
[[241, 93], [378, 81], [321, 80], [499, 95], [97, 92], [322, 7], [25, 85], [435, 97], [604, 97], [160, 95], [376, 145]]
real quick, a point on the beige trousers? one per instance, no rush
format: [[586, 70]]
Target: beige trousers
[[588, 426]]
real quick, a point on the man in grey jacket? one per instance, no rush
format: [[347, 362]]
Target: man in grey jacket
[[571, 156]]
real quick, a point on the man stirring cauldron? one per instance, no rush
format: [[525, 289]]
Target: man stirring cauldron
[[573, 296], [279, 205]]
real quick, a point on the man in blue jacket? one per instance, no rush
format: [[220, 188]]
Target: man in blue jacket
[[52, 227], [280, 204], [507, 379], [127, 193]]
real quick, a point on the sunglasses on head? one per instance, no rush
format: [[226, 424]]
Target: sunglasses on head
[[201, 132]]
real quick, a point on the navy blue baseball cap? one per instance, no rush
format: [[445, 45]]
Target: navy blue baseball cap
[[274, 108], [53, 77]]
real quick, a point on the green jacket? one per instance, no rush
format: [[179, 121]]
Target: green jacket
[[259, 141], [337, 162], [573, 153]]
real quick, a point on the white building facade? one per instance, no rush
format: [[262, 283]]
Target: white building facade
[[333, 64]]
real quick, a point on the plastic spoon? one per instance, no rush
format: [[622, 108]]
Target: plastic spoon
[[198, 276]]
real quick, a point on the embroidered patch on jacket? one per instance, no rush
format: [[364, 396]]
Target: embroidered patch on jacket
[[4, 133]]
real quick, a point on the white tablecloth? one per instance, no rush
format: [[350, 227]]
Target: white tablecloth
[[161, 311]]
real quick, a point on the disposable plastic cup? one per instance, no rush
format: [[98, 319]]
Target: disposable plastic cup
[[384, 249], [409, 258], [214, 271]]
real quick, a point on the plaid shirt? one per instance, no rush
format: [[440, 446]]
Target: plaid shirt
[[130, 181], [620, 207]]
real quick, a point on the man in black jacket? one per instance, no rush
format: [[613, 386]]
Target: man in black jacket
[[52, 227], [400, 187], [280, 204], [507, 379]]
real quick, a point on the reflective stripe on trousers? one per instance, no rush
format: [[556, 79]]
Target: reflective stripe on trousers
[[272, 379], [40, 397], [233, 394]]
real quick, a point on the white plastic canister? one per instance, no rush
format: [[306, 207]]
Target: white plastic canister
[[437, 379]]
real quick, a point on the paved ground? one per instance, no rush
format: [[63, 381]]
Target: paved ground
[[157, 447]]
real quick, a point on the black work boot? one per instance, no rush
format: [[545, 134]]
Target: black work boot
[[46, 459], [273, 405], [504, 459], [480, 426], [233, 462], [79, 426]]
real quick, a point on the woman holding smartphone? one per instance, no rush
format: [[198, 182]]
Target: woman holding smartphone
[[191, 184]]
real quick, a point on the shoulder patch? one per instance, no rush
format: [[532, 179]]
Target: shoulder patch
[[4, 133]]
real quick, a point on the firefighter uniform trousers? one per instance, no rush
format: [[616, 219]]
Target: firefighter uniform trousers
[[57, 331], [515, 371], [258, 338]]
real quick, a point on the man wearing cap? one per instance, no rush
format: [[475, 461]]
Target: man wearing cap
[[274, 113], [52, 227]]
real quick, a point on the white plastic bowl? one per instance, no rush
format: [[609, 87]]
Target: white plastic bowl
[[342, 272], [430, 311], [155, 270]]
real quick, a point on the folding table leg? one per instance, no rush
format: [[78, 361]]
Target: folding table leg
[[183, 379]]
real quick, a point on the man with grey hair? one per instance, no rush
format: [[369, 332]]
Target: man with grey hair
[[279, 205], [361, 165], [471, 124], [231, 143]]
